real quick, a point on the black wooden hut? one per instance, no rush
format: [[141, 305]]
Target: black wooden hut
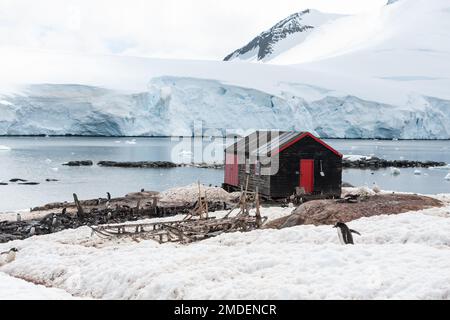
[[281, 164]]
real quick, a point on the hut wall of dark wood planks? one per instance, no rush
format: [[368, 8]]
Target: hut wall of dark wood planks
[[297, 159]]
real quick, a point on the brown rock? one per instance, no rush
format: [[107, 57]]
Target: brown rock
[[318, 212]]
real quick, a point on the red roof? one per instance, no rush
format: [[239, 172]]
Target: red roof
[[300, 137], [273, 142]]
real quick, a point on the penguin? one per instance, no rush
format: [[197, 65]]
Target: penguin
[[19, 217], [108, 205], [109, 196], [344, 233], [8, 256], [54, 220], [32, 231], [64, 211], [109, 215]]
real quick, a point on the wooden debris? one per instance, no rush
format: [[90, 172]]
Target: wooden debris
[[195, 226], [80, 212]]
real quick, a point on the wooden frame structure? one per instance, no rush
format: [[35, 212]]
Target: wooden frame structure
[[195, 226]]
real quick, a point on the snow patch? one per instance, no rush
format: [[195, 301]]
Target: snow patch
[[190, 194], [17, 289], [302, 262]]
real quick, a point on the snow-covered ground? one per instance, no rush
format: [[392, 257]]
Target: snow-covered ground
[[397, 257], [17, 289]]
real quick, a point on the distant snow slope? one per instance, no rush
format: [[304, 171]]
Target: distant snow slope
[[383, 74], [403, 256]]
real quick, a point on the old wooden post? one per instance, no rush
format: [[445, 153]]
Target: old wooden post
[[258, 213], [80, 212], [138, 205]]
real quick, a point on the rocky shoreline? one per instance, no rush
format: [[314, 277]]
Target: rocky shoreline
[[138, 164], [69, 215], [363, 162], [378, 163], [142, 164]]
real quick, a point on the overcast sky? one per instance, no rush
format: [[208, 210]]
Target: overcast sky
[[185, 29]]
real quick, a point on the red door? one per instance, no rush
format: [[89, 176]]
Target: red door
[[307, 175]]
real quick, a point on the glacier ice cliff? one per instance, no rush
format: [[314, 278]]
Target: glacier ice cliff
[[172, 105]]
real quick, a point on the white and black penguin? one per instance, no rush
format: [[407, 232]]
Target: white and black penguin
[[54, 220], [345, 233], [32, 231], [8, 256], [19, 217]]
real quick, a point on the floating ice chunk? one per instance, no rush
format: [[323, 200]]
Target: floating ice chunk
[[447, 177], [118, 141], [417, 172], [4, 148], [356, 157], [133, 141], [395, 171], [54, 169]]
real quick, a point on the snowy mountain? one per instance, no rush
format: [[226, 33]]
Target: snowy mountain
[[382, 74], [282, 36]]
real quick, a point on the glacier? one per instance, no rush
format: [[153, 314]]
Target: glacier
[[171, 106]]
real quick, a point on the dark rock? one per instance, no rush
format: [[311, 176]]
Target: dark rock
[[18, 180], [3, 183], [78, 163], [319, 212], [29, 183], [376, 163], [138, 164], [51, 180], [347, 185]]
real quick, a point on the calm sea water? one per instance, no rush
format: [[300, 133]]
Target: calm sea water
[[39, 158]]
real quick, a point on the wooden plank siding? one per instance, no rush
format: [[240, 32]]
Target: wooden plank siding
[[288, 176], [262, 181], [285, 176]]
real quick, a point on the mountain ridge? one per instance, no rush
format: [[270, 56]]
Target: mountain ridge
[[263, 46]]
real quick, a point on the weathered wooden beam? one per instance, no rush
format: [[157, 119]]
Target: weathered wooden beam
[[80, 212]]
